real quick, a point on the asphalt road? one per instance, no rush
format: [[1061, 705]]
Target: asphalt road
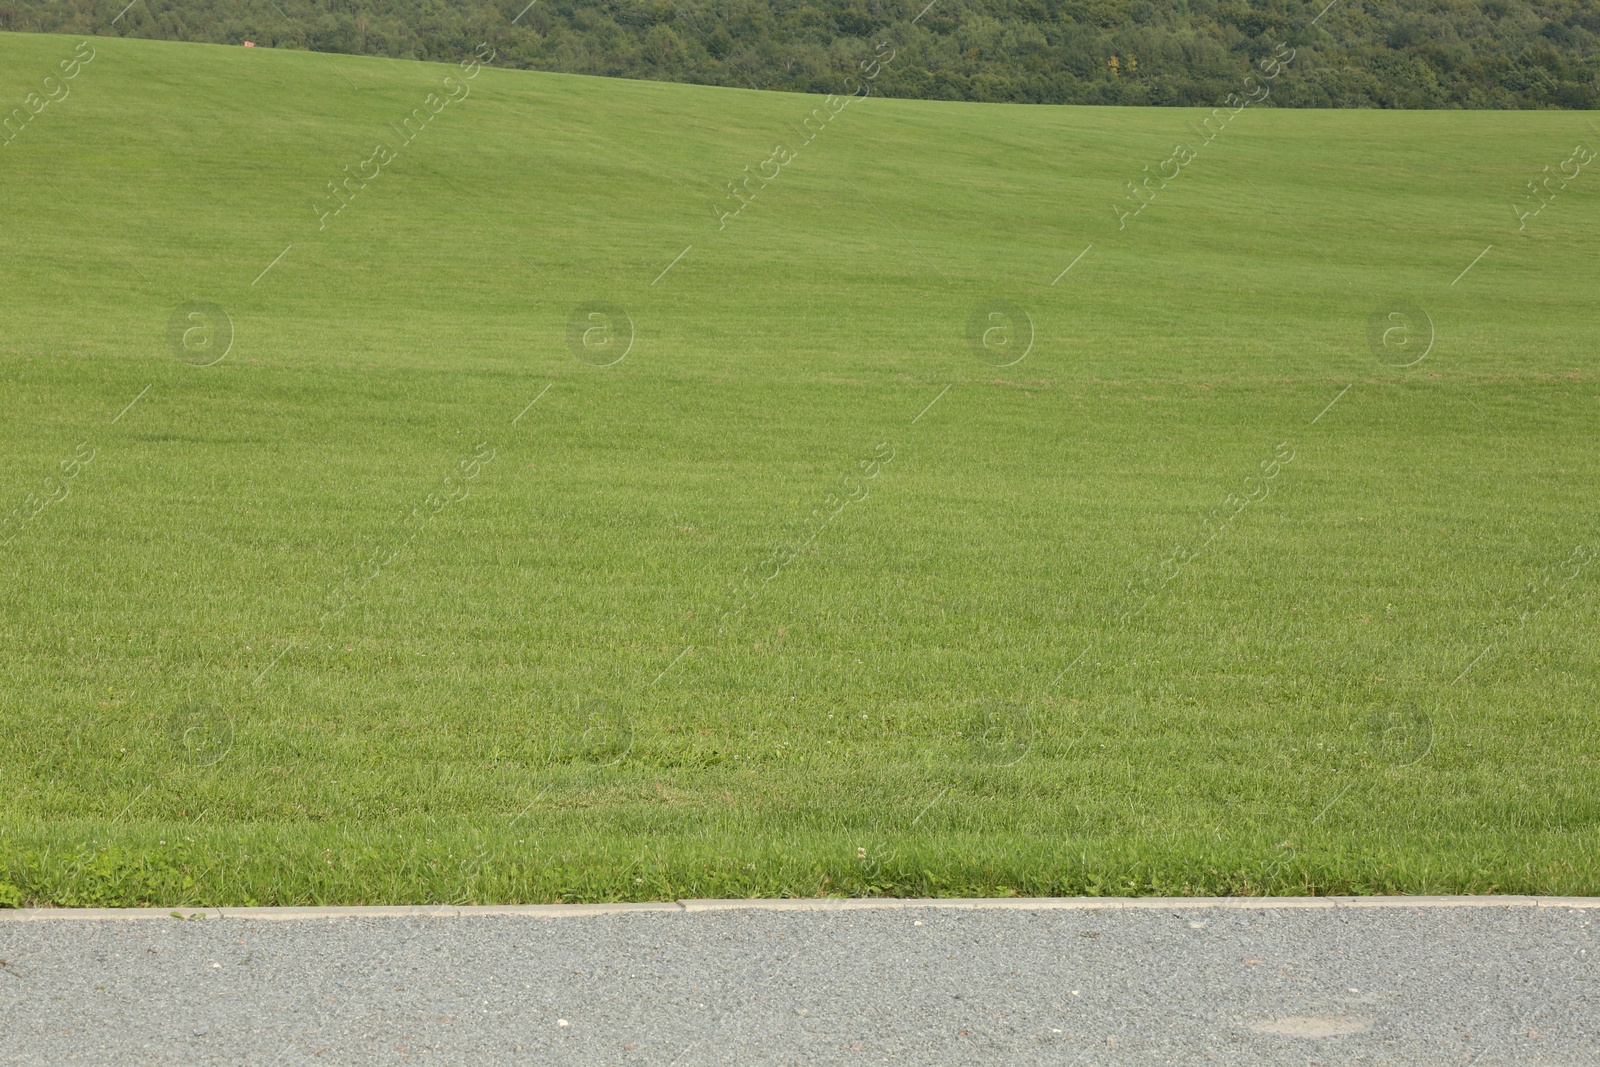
[[676, 987]]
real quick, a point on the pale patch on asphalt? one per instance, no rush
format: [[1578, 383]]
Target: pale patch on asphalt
[[1315, 1026]]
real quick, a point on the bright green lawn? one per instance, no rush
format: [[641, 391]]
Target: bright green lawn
[[183, 721]]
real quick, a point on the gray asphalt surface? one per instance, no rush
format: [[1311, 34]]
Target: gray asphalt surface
[[1472, 986]]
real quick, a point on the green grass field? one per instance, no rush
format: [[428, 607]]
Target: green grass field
[[338, 617]]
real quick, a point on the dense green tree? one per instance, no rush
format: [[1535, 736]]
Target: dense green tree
[[1356, 53]]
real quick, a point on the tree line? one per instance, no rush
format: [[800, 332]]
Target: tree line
[[1508, 54]]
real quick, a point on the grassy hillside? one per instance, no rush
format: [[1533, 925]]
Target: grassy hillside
[[803, 572]]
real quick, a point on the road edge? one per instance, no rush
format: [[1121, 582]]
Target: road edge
[[572, 911]]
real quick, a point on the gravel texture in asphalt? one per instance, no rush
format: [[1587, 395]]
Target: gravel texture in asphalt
[[1468, 985]]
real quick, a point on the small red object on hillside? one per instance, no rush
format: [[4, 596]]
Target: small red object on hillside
[[249, 44]]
